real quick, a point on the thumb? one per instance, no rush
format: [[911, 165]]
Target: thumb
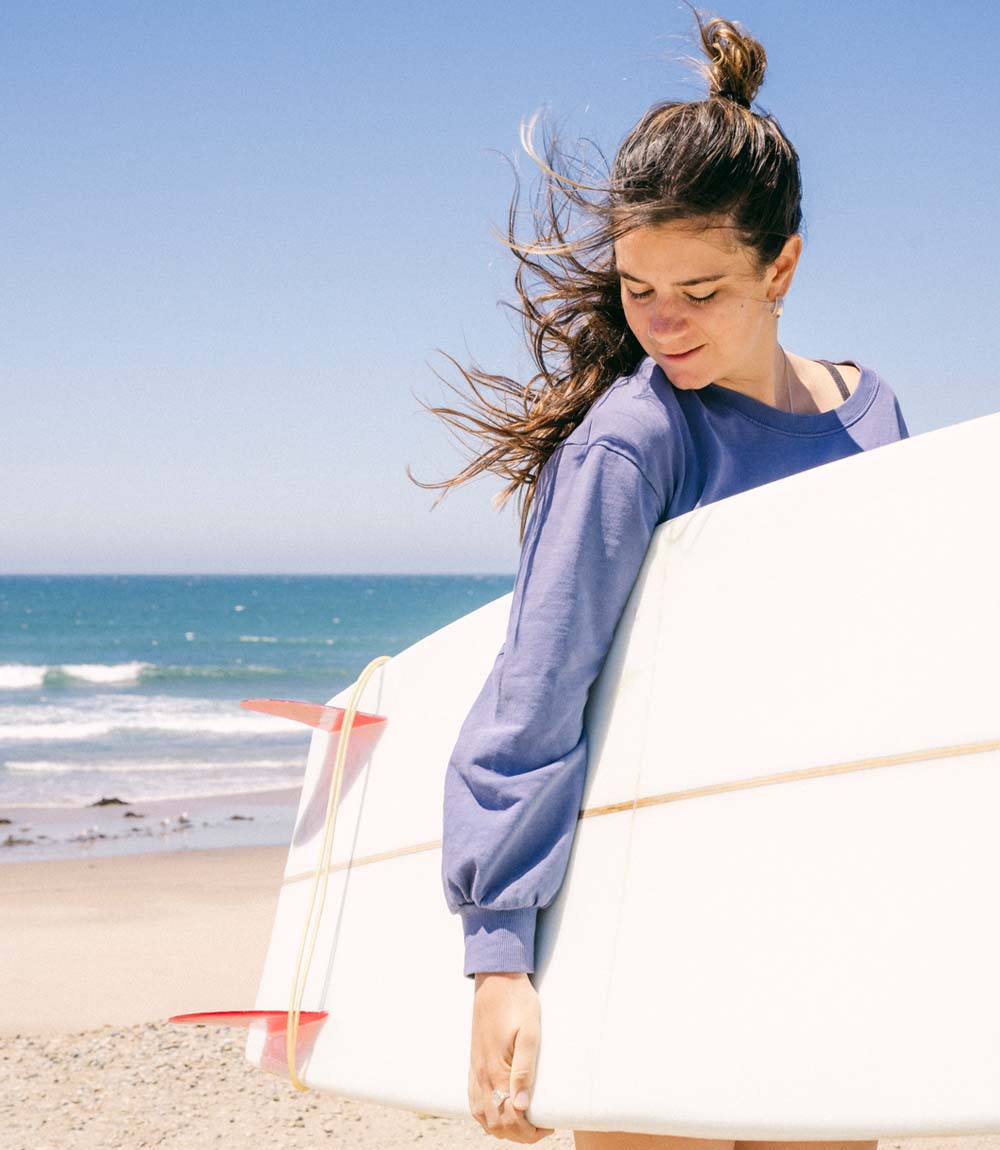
[[522, 1068]]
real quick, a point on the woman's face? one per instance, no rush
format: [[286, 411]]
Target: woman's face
[[692, 289]]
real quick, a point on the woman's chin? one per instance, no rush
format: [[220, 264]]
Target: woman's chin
[[680, 374], [686, 380]]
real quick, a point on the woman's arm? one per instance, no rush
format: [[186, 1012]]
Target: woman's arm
[[514, 782]]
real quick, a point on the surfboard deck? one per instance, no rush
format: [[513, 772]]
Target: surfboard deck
[[778, 917]]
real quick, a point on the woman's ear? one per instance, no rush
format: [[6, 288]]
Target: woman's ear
[[782, 271]]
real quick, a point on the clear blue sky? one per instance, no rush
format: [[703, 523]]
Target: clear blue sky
[[234, 233]]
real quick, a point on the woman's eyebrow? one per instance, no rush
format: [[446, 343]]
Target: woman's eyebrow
[[680, 283]]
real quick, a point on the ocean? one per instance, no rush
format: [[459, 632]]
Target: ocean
[[128, 686]]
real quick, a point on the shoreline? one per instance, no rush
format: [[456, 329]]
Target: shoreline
[[153, 826]]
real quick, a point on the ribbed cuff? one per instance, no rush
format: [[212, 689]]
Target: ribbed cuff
[[498, 940]]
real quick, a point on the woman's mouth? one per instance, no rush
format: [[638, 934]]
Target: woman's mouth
[[682, 355]]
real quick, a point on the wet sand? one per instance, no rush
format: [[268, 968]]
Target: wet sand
[[258, 818]]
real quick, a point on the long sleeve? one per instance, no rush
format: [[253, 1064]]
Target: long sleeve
[[514, 782]]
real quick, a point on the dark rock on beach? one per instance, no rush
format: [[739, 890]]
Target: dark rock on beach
[[132, 815], [112, 802]]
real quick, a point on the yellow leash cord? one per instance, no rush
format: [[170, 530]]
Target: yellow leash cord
[[322, 872]]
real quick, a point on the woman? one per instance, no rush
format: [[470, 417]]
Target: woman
[[661, 387]]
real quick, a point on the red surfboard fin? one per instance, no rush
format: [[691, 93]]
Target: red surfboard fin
[[366, 730], [273, 1053], [277, 1020], [312, 714]]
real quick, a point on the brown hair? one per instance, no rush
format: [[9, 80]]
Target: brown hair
[[712, 162]]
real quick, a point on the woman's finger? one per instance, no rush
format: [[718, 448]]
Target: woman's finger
[[522, 1074], [506, 1121]]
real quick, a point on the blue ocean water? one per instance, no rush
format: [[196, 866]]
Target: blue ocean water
[[128, 686]]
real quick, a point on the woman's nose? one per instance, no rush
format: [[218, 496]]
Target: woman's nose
[[665, 326]]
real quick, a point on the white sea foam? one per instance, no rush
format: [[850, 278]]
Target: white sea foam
[[116, 673], [115, 713], [54, 732], [164, 766], [287, 641], [16, 676], [171, 790]]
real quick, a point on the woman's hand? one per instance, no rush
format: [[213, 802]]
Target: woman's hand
[[505, 1035]]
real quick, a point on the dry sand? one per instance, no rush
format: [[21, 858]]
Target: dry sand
[[96, 953], [134, 938]]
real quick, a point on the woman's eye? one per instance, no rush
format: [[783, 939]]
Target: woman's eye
[[696, 299]]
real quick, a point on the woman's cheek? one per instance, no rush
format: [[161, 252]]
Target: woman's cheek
[[630, 321], [638, 329]]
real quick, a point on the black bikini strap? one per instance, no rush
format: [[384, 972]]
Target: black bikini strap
[[844, 391]]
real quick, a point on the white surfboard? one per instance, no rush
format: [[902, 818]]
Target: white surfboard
[[779, 916]]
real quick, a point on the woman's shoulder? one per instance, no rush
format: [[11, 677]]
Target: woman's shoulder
[[633, 417], [884, 412]]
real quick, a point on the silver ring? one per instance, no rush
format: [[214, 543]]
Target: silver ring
[[498, 1096]]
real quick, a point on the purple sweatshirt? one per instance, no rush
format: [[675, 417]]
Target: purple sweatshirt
[[644, 452]]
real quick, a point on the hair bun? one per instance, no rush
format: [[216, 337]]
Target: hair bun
[[737, 60]]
